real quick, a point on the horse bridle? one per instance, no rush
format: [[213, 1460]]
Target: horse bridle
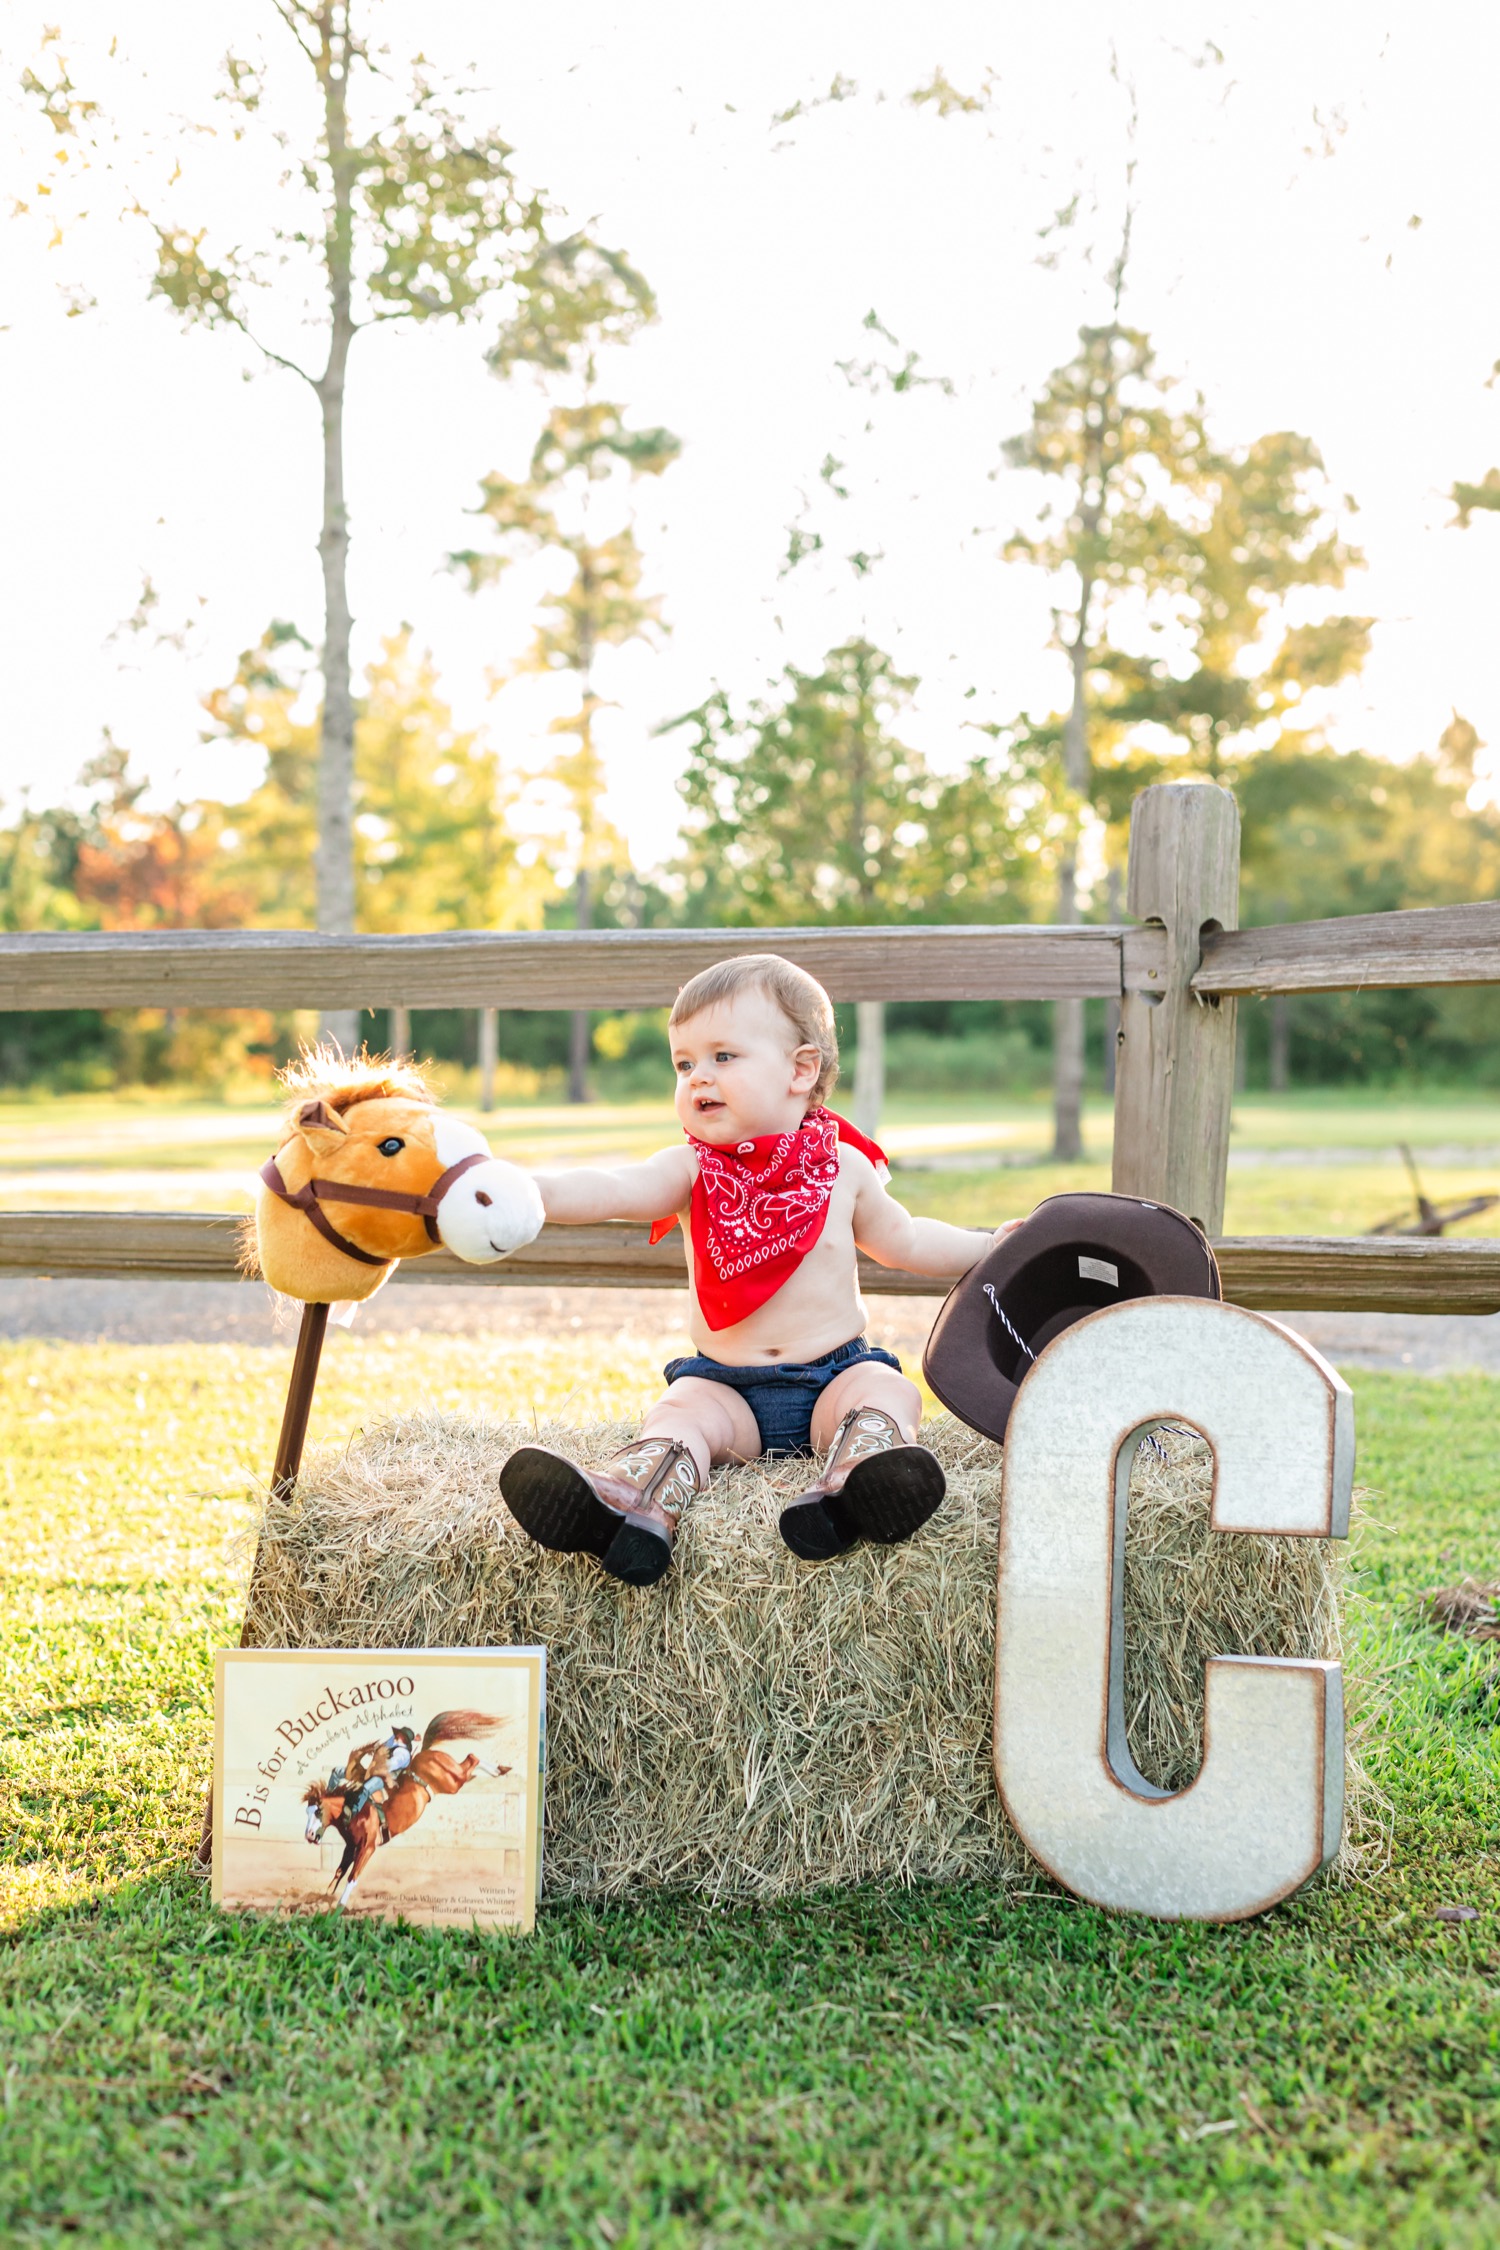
[[313, 1194]]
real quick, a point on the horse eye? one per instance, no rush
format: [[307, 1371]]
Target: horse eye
[[392, 1147]]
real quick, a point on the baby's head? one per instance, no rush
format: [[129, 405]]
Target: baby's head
[[753, 1047]]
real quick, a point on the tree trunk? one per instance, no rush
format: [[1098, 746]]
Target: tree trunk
[[335, 852], [1067, 1042], [489, 1055], [579, 1021], [1067, 1081], [1067, 1015], [869, 1065], [1281, 1042]]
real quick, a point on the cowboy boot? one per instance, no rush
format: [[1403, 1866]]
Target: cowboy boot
[[623, 1514], [874, 1486]]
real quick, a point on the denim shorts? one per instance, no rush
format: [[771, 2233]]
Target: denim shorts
[[782, 1398]]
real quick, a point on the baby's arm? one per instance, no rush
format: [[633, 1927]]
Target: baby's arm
[[888, 1233], [650, 1191]]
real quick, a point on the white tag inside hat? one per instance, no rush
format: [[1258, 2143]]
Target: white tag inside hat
[[1099, 1269]]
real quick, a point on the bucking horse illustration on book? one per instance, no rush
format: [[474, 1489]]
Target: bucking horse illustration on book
[[385, 1787]]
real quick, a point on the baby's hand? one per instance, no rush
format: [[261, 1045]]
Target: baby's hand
[[1007, 1226]]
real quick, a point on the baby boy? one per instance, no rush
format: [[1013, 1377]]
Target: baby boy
[[776, 1195]]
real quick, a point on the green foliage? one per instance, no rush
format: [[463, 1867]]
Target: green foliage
[[1110, 429], [421, 218], [812, 808], [584, 453], [38, 859], [1160, 535], [1271, 530], [1482, 498], [580, 449], [434, 846], [1325, 834]]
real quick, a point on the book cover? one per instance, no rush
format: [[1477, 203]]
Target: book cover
[[380, 1782]]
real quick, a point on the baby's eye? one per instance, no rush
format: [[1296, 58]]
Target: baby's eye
[[724, 1055], [682, 1066]]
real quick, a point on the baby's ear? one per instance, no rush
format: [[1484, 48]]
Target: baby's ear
[[321, 1127], [806, 1063]]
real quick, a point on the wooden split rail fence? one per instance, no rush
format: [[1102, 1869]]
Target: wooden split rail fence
[[1177, 972]]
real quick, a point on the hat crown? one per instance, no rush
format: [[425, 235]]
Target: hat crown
[[1075, 1255]]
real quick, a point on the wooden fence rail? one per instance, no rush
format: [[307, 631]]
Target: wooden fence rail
[[1278, 1274], [554, 968], [644, 968], [1357, 952]]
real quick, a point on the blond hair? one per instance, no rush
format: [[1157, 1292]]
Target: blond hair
[[800, 998]]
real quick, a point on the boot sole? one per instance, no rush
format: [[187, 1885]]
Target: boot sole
[[884, 1499], [554, 1503]]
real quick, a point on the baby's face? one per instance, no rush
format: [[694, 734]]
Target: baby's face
[[740, 1071]]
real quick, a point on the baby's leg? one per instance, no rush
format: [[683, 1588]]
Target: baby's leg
[[876, 1483], [625, 1512], [869, 1382], [710, 1419]]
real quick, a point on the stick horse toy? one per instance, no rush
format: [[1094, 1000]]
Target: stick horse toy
[[371, 1171]]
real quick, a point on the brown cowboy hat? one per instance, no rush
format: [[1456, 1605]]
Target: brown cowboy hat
[[1075, 1254]]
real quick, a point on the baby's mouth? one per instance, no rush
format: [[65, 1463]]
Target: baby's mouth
[[706, 1106]]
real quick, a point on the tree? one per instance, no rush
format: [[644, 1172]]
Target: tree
[[161, 868], [811, 807], [1239, 672], [1177, 557], [582, 451], [1326, 833], [38, 856], [434, 843], [1108, 427], [400, 210]]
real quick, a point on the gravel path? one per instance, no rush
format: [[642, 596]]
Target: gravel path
[[181, 1312]]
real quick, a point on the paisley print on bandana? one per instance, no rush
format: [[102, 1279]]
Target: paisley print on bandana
[[758, 1207]]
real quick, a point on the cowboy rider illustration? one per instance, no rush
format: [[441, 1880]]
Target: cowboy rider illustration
[[377, 1769]]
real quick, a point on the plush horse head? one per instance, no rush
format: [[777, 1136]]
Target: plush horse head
[[372, 1171]]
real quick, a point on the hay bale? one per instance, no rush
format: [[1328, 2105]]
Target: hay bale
[[753, 1725]]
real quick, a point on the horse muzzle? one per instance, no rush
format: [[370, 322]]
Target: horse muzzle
[[491, 1210]]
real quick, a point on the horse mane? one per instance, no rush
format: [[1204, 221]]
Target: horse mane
[[461, 1726], [324, 1073]]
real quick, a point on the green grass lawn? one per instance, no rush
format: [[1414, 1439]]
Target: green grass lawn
[[1307, 1198], [942, 2067]]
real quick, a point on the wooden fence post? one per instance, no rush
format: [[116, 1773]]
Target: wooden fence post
[[1174, 1079]]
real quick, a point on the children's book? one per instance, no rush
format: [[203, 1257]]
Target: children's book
[[382, 1782]]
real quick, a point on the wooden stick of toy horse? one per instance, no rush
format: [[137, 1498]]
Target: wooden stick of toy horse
[[432, 1773], [371, 1171]]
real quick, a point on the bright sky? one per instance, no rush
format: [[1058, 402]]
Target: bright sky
[[1278, 263]]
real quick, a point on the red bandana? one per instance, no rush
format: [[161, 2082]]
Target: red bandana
[[758, 1207]]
